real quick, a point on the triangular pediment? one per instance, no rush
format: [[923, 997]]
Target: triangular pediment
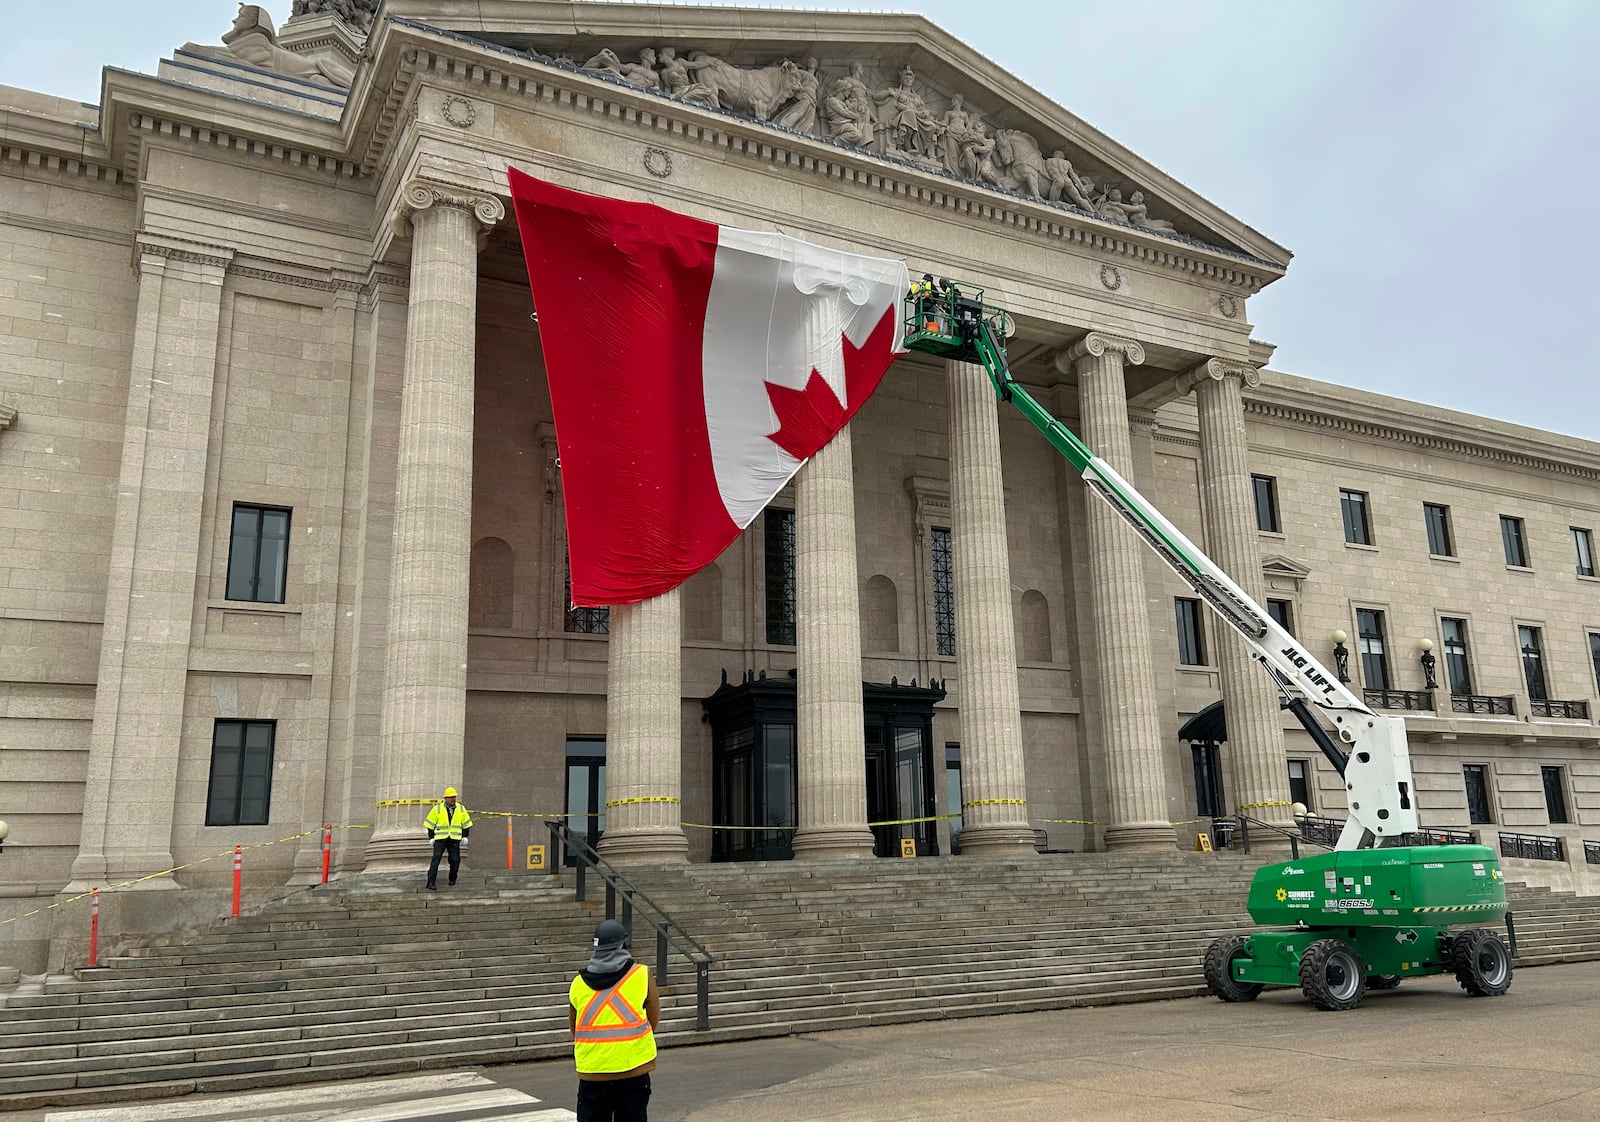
[[1283, 568], [893, 85]]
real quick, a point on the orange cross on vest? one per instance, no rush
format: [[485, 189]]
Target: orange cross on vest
[[630, 1023]]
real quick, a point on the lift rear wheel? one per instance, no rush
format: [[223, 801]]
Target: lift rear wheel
[[1331, 975], [1382, 981], [1219, 970], [1481, 963]]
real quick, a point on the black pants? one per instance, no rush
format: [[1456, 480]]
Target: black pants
[[441, 846], [614, 1100]]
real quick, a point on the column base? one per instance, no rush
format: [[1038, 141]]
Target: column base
[[1010, 840], [644, 847], [103, 871], [1140, 836], [398, 853], [833, 843]]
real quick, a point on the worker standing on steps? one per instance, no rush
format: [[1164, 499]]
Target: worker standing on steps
[[613, 1010], [446, 824]]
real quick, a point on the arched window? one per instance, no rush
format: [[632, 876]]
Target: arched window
[[1033, 627]]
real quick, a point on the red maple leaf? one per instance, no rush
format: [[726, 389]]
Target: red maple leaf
[[809, 418]]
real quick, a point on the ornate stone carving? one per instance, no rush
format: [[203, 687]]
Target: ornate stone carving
[[356, 13], [458, 111], [419, 195], [1111, 277], [896, 121], [253, 39], [658, 162], [1227, 305], [1096, 344], [1216, 369]]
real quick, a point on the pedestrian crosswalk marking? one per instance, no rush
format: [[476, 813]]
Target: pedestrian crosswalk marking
[[417, 1097]]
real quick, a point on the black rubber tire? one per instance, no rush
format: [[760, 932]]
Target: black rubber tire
[[1383, 981], [1481, 962], [1219, 970], [1331, 975]]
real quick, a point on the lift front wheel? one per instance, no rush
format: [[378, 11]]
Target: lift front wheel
[[1481, 963], [1331, 975], [1219, 970]]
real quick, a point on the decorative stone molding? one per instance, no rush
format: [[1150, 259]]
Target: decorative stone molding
[[234, 144], [1228, 306], [1216, 369], [8, 416], [420, 195], [1096, 344], [1111, 277], [458, 111], [65, 166], [658, 162], [180, 249], [930, 499]]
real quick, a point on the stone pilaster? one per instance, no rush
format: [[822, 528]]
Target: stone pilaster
[[128, 807], [424, 694], [1135, 768], [644, 734], [830, 763], [1260, 784], [994, 784]]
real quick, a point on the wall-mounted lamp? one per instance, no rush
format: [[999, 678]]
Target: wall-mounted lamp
[[1341, 655], [1429, 661], [5, 832]]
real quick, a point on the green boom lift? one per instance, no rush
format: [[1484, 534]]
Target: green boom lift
[[1368, 913]]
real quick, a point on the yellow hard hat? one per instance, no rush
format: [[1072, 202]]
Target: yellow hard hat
[[449, 792]]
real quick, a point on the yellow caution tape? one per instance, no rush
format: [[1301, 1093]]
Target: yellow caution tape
[[1254, 806], [642, 799], [1069, 821], [994, 802]]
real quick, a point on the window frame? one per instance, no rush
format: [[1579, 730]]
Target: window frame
[[244, 725], [941, 560], [261, 510], [1191, 637], [1594, 656], [1264, 489], [1284, 620], [1361, 502], [1583, 551], [1530, 637], [1442, 523], [576, 620], [778, 569], [1514, 537], [1487, 778], [1307, 775], [1559, 772], [1449, 656], [1373, 650]]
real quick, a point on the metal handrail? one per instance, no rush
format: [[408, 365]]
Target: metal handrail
[[1245, 822], [1534, 847], [562, 839]]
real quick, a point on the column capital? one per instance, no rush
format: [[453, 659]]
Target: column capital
[[1219, 369], [148, 249], [1097, 343], [419, 195]]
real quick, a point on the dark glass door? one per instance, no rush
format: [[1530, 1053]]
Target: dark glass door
[[586, 791]]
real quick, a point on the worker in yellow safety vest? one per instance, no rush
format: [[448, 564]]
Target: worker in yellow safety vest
[[446, 824], [613, 1010]]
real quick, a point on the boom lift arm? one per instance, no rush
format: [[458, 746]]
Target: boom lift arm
[[1367, 749]]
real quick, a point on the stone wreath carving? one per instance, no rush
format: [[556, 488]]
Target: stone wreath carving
[[1111, 277], [658, 162], [459, 112], [1227, 305], [894, 120]]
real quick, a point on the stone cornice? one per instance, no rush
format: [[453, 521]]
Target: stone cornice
[[66, 167], [440, 56], [1308, 416], [151, 124], [181, 249], [931, 498], [1094, 345]]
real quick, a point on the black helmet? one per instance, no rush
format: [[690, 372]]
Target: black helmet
[[610, 935]]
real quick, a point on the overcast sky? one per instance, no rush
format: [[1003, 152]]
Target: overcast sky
[[1429, 162]]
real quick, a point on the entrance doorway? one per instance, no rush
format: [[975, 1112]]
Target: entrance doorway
[[586, 791], [754, 789]]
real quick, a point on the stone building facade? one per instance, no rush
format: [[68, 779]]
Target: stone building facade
[[281, 528]]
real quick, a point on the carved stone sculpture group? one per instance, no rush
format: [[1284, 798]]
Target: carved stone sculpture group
[[894, 120]]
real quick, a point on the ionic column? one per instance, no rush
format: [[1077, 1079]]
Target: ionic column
[[132, 775], [644, 734], [830, 748], [1135, 770], [994, 784], [1260, 780], [425, 677]]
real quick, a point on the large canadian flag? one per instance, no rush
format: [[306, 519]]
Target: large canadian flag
[[693, 369]]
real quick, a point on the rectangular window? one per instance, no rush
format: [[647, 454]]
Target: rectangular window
[[1357, 527], [1555, 795], [952, 792], [1512, 537], [944, 593], [1191, 636], [1300, 783], [1479, 809], [582, 621], [1457, 668], [258, 554], [240, 793], [1266, 491], [1530, 641], [779, 539], [1282, 613], [1437, 520], [1594, 656], [1374, 659], [1583, 551]]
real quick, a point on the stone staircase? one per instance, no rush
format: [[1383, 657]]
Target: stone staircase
[[377, 977]]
